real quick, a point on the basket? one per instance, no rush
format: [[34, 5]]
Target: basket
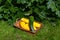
[[17, 25]]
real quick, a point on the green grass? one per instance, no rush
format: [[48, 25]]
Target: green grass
[[48, 32]]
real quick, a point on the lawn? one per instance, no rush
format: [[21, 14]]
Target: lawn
[[48, 32]]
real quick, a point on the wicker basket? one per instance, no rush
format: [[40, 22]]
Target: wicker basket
[[16, 24]]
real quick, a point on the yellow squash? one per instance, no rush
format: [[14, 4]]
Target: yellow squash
[[25, 26], [25, 20]]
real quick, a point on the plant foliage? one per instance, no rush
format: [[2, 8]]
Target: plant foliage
[[10, 10]]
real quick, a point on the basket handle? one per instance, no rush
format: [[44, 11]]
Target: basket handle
[[17, 19]]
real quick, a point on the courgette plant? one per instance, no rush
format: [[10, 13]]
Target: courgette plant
[[10, 10]]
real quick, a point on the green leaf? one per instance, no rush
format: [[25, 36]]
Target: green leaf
[[51, 4], [6, 11], [21, 1], [1, 16], [6, 16], [0, 1], [9, 1], [19, 14], [42, 7], [28, 13], [29, 4], [32, 0], [41, 14], [13, 9], [41, 1], [1, 8], [58, 13]]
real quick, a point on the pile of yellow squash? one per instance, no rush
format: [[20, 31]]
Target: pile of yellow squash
[[24, 24]]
